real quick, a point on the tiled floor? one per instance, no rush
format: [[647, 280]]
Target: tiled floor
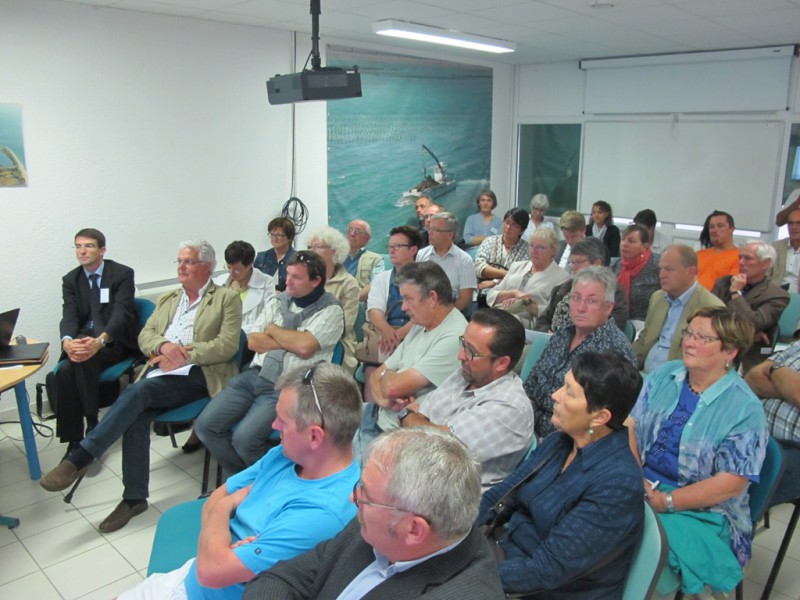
[[57, 552]]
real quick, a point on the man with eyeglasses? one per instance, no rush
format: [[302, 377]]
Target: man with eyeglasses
[[786, 270], [361, 263], [442, 229], [680, 296], [290, 500], [585, 253], [190, 339], [298, 327], [483, 403], [98, 329], [589, 330], [413, 537]]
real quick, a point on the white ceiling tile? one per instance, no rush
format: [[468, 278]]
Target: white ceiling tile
[[720, 8], [531, 12]]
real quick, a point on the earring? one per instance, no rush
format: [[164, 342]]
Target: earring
[[591, 431], [727, 365]]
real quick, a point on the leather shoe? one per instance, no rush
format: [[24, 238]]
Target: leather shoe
[[121, 515], [63, 476], [191, 447]]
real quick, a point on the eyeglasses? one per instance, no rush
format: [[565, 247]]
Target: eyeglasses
[[698, 337], [317, 247], [85, 246], [391, 247], [590, 301], [188, 262], [355, 230], [470, 354], [539, 248], [358, 489], [790, 223], [277, 236], [578, 261], [432, 230], [308, 379]]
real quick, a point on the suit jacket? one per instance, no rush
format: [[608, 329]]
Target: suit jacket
[[118, 314], [467, 572], [216, 332], [779, 268], [611, 239], [762, 305], [657, 314]]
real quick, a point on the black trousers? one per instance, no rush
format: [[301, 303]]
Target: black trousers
[[78, 390]]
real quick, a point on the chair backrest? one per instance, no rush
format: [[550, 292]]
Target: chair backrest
[[144, 308], [630, 331], [387, 263], [788, 321], [649, 559], [175, 540], [338, 353], [534, 352], [769, 477]]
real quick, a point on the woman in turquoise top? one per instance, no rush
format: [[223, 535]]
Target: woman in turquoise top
[[701, 435]]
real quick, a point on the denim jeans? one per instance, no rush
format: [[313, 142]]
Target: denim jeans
[[130, 417], [237, 424], [368, 431]]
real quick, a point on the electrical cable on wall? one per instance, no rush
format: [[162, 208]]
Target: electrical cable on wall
[[295, 210]]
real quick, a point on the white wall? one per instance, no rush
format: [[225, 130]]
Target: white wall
[[153, 129]]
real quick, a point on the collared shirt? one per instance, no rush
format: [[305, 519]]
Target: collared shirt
[[98, 272], [792, 268], [783, 417], [325, 325], [495, 421], [659, 353], [351, 262], [727, 433], [456, 263], [492, 250], [181, 329], [381, 569], [548, 373]]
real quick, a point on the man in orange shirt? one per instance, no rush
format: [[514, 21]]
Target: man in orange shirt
[[719, 256]]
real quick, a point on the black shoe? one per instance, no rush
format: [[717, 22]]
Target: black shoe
[[71, 446], [121, 515]]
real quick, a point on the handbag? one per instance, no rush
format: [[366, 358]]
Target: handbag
[[368, 349]]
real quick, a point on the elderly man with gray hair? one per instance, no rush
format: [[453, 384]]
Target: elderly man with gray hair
[[191, 339], [751, 294], [414, 537], [458, 265]]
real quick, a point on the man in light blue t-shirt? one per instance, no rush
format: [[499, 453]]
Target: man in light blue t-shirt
[[293, 498]]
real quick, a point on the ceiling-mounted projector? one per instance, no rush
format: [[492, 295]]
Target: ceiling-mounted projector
[[327, 83], [319, 83]]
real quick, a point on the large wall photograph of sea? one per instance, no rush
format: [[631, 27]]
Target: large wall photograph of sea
[[12, 148], [375, 143]]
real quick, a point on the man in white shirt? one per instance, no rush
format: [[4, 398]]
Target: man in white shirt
[[457, 264], [787, 263]]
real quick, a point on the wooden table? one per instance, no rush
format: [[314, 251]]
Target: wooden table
[[15, 377]]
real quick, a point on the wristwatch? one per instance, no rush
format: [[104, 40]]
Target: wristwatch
[[670, 505], [774, 367], [403, 414]]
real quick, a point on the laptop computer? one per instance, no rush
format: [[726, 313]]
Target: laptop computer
[[18, 354]]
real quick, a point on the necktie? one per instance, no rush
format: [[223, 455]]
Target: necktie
[[94, 303]]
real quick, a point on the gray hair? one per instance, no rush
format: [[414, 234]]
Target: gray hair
[[687, 255], [540, 201], [764, 250], [335, 239], [548, 236], [430, 473], [339, 399], [367, 228], [428, 277], [449, 219], [592, 248], [597, 274], [205, 251]]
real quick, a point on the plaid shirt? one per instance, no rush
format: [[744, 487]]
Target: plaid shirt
[[783, 418]]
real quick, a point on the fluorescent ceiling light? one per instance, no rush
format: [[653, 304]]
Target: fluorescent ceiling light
[[436, 35]]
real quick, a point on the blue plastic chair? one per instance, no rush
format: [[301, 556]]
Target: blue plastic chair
[[789, 317], [760, 494], [175, 541], [534, 353], [630, 331], [360, 320], [649, 559]]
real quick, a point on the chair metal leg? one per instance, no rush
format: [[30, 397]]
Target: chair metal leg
[[787, 539], [740, 590], [68, 497], [172, 435], [206, 470]]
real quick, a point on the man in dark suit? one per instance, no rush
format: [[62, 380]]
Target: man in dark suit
[[405, 541], [98, 329], [751, 294]]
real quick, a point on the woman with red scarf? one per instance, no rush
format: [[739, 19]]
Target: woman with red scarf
[[637, 270]]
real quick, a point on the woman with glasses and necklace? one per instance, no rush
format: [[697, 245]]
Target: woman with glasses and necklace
[[273, 261], [701, 436]]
